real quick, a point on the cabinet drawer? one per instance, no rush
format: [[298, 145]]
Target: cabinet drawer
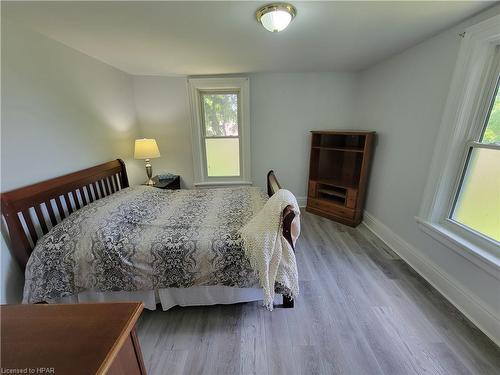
[[329, 207]]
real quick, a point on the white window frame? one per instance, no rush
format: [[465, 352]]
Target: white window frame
[[459, 128], [197, 86]]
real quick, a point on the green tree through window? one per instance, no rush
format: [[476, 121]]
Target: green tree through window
[[220, 114], [492, 131]]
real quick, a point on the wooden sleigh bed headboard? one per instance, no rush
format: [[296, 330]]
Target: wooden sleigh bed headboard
[[31, 211]]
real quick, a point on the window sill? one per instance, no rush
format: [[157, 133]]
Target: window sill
[[221, 183], [482, 258]]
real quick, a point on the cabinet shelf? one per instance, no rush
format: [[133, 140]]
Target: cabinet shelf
[[344, 149], [332, 193], [337, 183]]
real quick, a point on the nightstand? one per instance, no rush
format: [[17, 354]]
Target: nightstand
[[171, 184]]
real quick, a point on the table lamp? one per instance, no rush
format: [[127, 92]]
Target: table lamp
[[147, 149]]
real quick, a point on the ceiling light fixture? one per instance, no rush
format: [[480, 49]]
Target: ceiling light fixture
[[276, 16]]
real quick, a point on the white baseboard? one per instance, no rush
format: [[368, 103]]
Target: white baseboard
[[302, 201], [475, 310]]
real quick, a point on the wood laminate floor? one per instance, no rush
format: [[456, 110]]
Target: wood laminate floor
[[361, 310]]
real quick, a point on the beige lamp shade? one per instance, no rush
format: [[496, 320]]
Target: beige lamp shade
[[146, 149]]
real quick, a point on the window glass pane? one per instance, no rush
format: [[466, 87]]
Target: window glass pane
[[478, 203], [492, 131], [220, 114], [223, 157]]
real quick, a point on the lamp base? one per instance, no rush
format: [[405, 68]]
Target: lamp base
[[149, 172]]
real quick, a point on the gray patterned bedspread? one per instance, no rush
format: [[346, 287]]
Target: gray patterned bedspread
[[142, 238]]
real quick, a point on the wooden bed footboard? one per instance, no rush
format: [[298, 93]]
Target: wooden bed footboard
[[288, 216]]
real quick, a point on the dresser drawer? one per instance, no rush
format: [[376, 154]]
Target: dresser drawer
[[329, 207]]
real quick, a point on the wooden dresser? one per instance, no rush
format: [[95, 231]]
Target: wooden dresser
[[71, 339], [338, 174]]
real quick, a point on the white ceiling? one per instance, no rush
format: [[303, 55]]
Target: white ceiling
[[190, 38]]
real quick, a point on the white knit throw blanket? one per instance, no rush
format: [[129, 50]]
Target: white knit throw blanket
[[270, 254]]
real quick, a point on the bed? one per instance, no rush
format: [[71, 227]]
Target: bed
[[159, 247]]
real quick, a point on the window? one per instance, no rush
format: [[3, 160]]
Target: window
[[461, 202], [477, 200], [221, 135], [220, 128]]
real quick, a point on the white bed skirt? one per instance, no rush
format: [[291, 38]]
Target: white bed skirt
[[170, 297]]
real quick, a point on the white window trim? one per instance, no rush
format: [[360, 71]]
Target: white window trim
[[470, 78], [195, 85]]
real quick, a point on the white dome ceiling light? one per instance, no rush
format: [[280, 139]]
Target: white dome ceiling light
[[275, 17]]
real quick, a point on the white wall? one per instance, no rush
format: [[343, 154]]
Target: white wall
[[61, 111], [284, 108], [163, 113], [403, 99]]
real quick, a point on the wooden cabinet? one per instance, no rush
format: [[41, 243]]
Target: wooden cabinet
[[338, 174], [80, 339]]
